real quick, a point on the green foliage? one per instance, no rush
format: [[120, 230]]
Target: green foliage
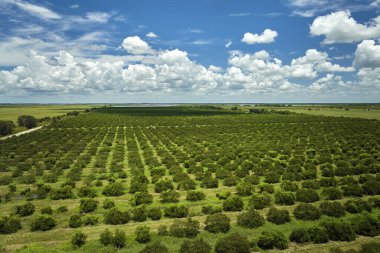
[[86, 192], [141, 198], [365, 224], [318, 234], [114, 189], [163, 185], [195, 196], [176, 211], [9, 225], [300, 235], [108, 204], [139, 213], [339, 230], [25, 209], [357, 206], [154, 213], [88, 205], [184, 228], [211, 209], [259, 201], [250, 219], [217, 222], [27, 121], [42, 223], [47, 210], [307, 195], [75, 221], [233, 204], [284, 198], [106, 237], [169, 196], [115, 217], [278, 216], [332, 208], [233, 243], [306, 212], [78, 239], [142, 234], [195, 246], [119, 240], [6, 127], [271, 240], [155, 247]]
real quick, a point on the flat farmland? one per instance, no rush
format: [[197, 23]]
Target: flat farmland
[[165, 175]]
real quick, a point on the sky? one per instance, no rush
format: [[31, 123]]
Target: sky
[[190, 51]]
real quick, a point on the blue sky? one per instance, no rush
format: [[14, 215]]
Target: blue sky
[[190, 51]]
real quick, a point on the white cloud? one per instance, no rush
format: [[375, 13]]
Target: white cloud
[[135, 45], [241, 14], [367, 55], [340, 27], [34, 10], [267, 36], [99, 17], [228, 44], [74, 6], [215, 69], [202, 42], [151, 35]]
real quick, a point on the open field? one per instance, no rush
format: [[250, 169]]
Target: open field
[[371, 111], [159, 159], [11, 112]]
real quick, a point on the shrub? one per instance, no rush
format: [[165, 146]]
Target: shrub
[[42, 223], [176, 211], [332, 193], [155, 247], [90, 220], [108, 204], [352, 190], [365, 224], [318, 234], [307, 195], [306, 212], [6, 127], [244, 189], [65, 192], [106, 237], [339, 230], [259, 201], [284, 198], [88, 205], [116, 217], [233, 204], [9, 225], [162, 230], [332, 208], [357, 206], [278, 216], [25, 209], [142, 234], [79, 239], [195, 246], [86, 192], [195, 196], [250, 219], [47, 210], [62, 209], [184, 228], [139, 214], [27, 121], [289, 186], [272, 177], [75, 221], [169, 196], [271, 240], [163, 185], [141, 198], [370, 247], [209, 182], [154, 213], [119, 239], [211, 209], [223, 195], [371, 187], [300, 235], [217, 222], [233, 243], [114, 189]]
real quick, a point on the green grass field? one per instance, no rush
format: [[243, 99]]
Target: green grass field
[[191, 147]]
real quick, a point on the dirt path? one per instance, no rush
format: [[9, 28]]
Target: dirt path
[[21, 133]]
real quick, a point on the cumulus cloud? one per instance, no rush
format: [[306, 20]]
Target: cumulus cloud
[[267, 36], [340, 27], [135, 45], [367, 55]]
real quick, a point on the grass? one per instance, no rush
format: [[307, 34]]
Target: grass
[[11, 112]]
